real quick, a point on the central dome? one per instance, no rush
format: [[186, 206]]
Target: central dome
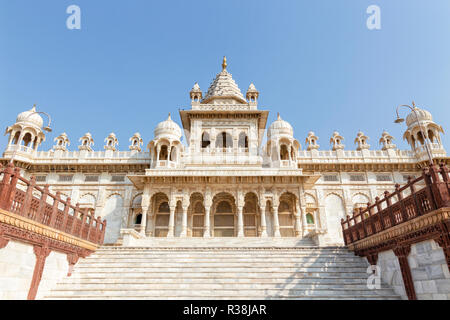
[[31, 117], [279, 128], [168, 129]]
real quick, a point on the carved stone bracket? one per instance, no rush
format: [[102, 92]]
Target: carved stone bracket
[[72, 258], [3, 240], [444, 241]]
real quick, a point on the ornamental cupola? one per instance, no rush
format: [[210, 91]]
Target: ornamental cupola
[[136, 142], [111, 142], [336, 141], [196, 93], [386, 141], [311, 141], [166, 148], [361, 141], [86, 142], [168, 129], [422, 127], [252, 94], [280, 128], [26, 134], [62, 142]]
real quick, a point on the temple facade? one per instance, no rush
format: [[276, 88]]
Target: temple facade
[[231, 176]]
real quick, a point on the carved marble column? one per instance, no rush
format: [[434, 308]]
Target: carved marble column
[[263, 222], [298, 223], [145, 205], [240, 230], [207, 230], [184, 222], [276, 224], [171, 232], [143, 220]]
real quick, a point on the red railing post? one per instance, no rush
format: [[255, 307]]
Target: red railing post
[[363, 223], [42, 204], [387, 198], [349, 230], [402, 203], [28, 196], [83, 222], [89, 224], [428, 189], [65, 216], [12, 189], [56, 200], [5, 185], [103, 232], [380, 215]]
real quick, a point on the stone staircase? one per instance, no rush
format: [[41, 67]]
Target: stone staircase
[[207, 269]]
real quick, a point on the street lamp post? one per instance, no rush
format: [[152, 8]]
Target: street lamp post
[[46, 128], [424, 134]]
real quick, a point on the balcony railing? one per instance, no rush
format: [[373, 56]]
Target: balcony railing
[[395, 209], [38, 204]]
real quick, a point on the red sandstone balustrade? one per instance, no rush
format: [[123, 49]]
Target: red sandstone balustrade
[[398, 209], [21, 196]]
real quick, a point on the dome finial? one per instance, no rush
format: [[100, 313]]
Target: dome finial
[[414, 105], [34, 107], [278, 116], [224, 63], [168, 118]]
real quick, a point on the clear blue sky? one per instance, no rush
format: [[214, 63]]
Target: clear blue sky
[[313, 61]]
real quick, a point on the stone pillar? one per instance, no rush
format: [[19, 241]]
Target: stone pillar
[[145, 204], [402, 252], [171, 232], [240, 232], [184, 221], [276, 225], [263, 222], [143, 221], [298, 224], [41, 254], [207, 230]]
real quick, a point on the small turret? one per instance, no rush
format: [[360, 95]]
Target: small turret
[[311, 141], [111, 142], [336, 141], [361, 141], [62, 142], [86, 142]]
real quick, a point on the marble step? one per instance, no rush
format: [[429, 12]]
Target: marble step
[[187, 297], [224, 268], [223, 292], [222, 254], [215, 280], [216, 273], [220, 241], [191, 260], [99, 286], [222, 264]]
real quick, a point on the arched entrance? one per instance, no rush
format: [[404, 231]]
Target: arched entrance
[[162, 213], [224, 215], [250, 215]]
